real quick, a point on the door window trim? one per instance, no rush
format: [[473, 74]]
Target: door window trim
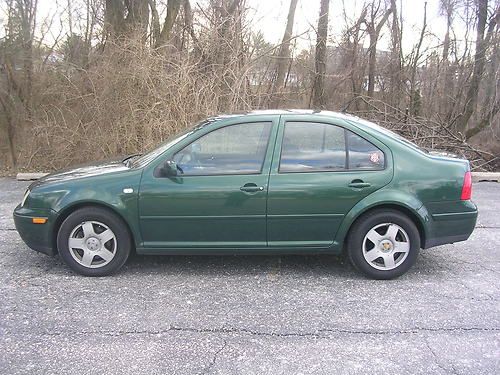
[[266, 148], [346, 170]]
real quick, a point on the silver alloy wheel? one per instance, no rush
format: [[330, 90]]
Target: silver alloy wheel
[[92, 244], [386, 246]]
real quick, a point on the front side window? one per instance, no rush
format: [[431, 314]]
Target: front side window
[[316, 147], [235, 149]]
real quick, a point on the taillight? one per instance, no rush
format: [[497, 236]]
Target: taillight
[[467, 187]]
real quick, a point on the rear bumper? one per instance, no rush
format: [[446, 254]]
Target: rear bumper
[[37, 236], [452, 226]]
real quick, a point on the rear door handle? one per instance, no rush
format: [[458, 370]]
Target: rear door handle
[[359, 184], [251, 188]]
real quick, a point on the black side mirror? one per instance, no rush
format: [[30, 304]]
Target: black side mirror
[[167, 169], [170, 168]]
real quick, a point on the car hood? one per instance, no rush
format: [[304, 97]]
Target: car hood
[[83, 171]]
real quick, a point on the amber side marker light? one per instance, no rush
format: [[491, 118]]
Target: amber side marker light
[[39, 220]]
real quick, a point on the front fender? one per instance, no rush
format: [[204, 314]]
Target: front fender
[[384, 198], [107, 191]]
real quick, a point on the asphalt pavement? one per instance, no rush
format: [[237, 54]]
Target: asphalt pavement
[[252, 314]]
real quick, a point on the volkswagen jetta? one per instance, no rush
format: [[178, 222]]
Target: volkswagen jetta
[[259, 182]]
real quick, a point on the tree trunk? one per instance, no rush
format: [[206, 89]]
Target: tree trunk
[[355, 73], [491, 102], [123, 17], [10, 132], [173, 7], [396, 58], [414, 92], [114, 13], [374, 33], [155, 22], [137, 16], [319, 100], [284, 51], [479, 60], [372, 62], [447, 78]]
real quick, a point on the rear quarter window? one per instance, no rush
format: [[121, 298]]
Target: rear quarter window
[[362, 154]]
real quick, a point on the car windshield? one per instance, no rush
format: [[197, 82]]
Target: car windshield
[[146, 158]]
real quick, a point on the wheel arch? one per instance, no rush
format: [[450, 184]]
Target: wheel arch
[[63, 214], [407, 204], [396, 207]]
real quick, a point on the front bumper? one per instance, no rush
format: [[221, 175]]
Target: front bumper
[[37, 236]]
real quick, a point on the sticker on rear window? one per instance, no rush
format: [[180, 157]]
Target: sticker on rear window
[[374, 157]]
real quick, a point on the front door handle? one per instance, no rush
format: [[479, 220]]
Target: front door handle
[[251, 188], [359, 184]]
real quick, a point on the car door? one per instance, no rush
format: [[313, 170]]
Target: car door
[[320, 170], [218, 198]]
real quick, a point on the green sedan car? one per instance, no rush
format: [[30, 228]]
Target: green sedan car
[[260, 182]]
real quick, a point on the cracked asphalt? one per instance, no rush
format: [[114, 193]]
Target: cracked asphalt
[[252, 314]]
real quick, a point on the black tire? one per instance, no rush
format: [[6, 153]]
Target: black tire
[[122, 248], [361, 228]]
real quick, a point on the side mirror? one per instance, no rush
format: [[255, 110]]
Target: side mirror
[[170, 168], [167, 169]]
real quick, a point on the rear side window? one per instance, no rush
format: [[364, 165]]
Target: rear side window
[[317, 147], [312, 147], [363, 154]]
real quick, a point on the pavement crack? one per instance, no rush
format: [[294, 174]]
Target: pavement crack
[[436, 358], [9, 229], [320, 333], [213, 361]]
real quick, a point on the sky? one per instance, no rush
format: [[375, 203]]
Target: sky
[[269, 16]]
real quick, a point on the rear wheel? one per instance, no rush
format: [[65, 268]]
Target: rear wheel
[[93, 241], [383, 244]]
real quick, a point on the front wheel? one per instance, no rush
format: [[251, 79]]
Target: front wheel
[[93, 241], [383, 244]]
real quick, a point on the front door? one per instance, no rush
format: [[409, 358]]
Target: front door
[[218, 198], [320, 171]]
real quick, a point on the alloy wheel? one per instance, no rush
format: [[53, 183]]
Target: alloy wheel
[[386, 246], [92, 244]]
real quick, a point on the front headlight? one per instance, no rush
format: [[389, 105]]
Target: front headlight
[[25, 197]]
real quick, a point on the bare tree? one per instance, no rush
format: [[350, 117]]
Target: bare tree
[[284, 50], [396, 64], [124, 74], [318, 97], [352, 40], [414, 92], [126, 16], [447, 9], [483, 37], [374, 30], [173, 7], [16, 96]]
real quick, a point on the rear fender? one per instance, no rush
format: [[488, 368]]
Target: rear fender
[[383, 198]]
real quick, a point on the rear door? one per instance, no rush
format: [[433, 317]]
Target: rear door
[[320, 170]]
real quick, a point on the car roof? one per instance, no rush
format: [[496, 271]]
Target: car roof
[[277, 112]]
